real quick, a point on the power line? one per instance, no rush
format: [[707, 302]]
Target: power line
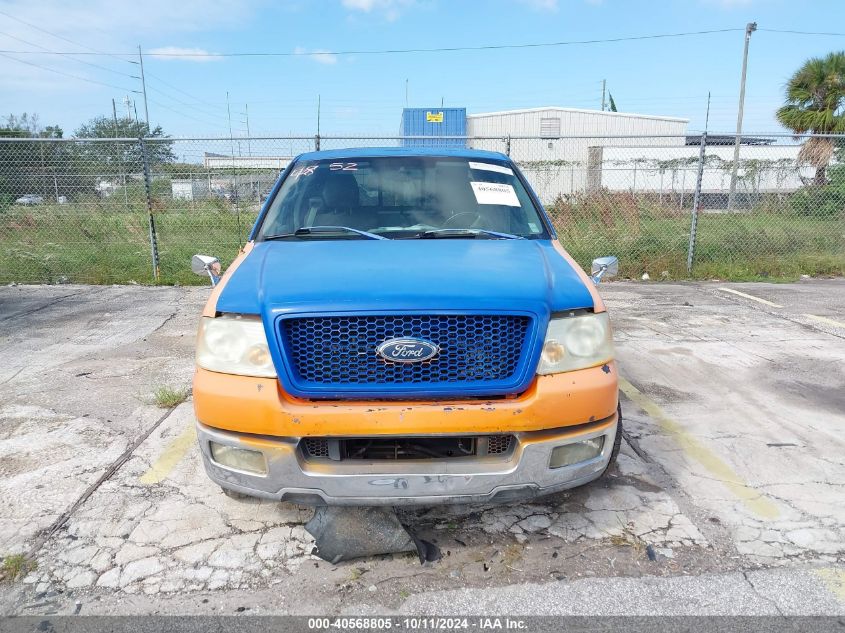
[[185, 103], [448, 49], [203, 104], [59, 72], [80, 61], [182, 114], [801, 32], [60, 37]]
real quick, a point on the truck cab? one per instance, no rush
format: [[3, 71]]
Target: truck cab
[[403, 327]]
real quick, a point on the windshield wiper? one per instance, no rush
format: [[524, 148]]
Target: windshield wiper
[[438, 233], [316, 230]]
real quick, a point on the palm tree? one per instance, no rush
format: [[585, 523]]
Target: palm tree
[[815, 103]]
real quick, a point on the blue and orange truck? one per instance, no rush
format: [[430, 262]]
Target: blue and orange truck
[[403, 327]]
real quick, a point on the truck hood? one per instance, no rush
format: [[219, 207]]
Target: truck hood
[[399, 275]]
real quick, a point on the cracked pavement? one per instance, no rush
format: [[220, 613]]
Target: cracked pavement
[[730, 479]]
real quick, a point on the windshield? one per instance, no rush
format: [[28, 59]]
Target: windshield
[[401, 197]]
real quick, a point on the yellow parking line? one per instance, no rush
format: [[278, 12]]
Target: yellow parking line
[[752, 297], [171, 456], [822, 319], [753, 499], [835, 581]]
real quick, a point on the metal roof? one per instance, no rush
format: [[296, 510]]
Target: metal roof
[[581, 111], [380, 152]]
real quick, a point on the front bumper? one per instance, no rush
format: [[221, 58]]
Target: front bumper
[[259, 406], [524, 474]]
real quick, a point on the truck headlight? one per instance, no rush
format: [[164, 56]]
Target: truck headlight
[[576, 342], [234, 344]]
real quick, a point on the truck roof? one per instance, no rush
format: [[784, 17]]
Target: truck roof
[[379, 152]]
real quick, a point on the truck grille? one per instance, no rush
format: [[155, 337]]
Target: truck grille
[[499, 444], [324, 351], [397, 448]]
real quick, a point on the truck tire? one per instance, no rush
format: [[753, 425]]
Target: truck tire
[[617, 443]]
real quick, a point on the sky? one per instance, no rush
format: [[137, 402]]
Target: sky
[[363, 93]]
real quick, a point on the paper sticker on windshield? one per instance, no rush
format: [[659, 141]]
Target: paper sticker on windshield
[[494, 193], [490, 167]]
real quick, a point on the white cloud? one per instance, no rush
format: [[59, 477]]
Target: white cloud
[[98, 23], [114, 26], [321, 56], [390, 9], [183, 54]]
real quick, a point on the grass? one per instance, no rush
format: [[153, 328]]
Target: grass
[[94, 243], [167, 397], [91, 244], [654, 239], [16, 566]]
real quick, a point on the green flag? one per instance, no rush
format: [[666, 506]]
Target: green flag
[[612, 103]]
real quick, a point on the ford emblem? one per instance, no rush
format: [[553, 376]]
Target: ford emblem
[[407, 350]]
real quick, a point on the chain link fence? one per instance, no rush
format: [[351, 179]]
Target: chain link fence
[[136, 210]]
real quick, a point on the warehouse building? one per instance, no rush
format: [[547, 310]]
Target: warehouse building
[[560, 149], [671, 172], [555, 122]]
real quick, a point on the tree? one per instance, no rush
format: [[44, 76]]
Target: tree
[[26, 166], [29, 126], [124, 155], [815, 103]]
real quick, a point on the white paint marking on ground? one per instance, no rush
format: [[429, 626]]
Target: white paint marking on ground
[[752, 297], [822, 319]]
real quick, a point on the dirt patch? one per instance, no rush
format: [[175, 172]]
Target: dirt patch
[[665, 393]]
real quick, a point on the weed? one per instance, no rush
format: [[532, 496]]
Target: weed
[[356, 572], [627, 538], [650, 235], [167, 397], [16, 566]]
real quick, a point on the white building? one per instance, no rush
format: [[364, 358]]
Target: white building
[[558, 149], [762, 169], [221, 161]]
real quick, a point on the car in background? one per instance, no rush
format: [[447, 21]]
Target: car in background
[[30, 199]]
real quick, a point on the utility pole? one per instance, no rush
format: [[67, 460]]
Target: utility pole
[[696, 201], [252, 186], [114, 114], [144, 89], [235, 192], [749, 29], [603, 87], [248, 136], [128, 105], [231, 134], [229, 114]]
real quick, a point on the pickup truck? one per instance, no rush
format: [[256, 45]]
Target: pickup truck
[[403, 327]]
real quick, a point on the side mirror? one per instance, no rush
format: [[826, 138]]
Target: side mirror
[[206, 265], [604, 267]]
